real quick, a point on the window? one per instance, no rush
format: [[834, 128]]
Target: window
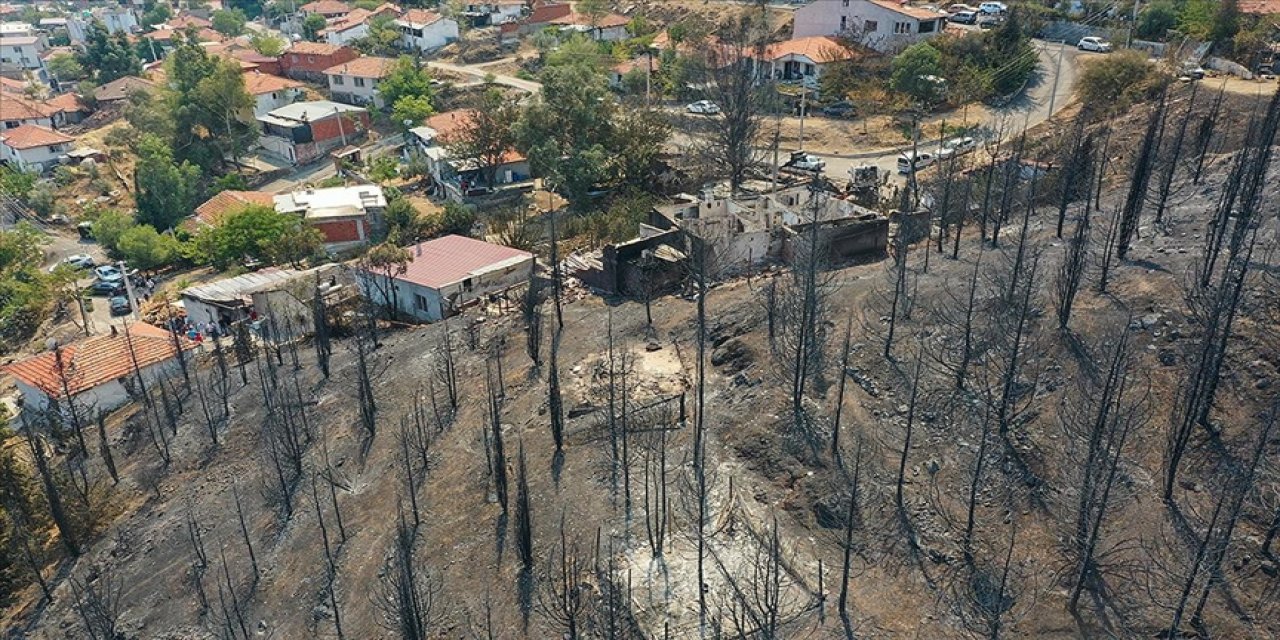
[[902, 27], [844, 23], [55, 148], [871, 26], [11, 124], [275, 96], [420, 303], [927, 26], [466, 284], [311, 59], [845, 2], [338, 80], [359, 82]]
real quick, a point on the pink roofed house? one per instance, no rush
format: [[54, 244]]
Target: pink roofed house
[[446, 274]]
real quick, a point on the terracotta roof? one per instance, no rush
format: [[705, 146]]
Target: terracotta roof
[[120, 88], [913, 12], [325, 7], [56, 51], [225, 202], [606, 21], [93, 361], [641, 62], [314, 48], [820, 49], [258, 83], [419, 16], [19, 40], [9, 85], [444, 261], [1260, 7], [363, 67], [356, 18], [66, 103], [30, 136], [448, 122], [13, 107], [546, 12], [182, 22]]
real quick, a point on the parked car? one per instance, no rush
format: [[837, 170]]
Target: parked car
[[964, 17], [806, 161], [703, 106], [120, 306], [960, 146], [958, 8], [105, 288], [77, 261], [1191, 71], [842, 109], [993, 7], [921, 160], [108, 273], [1094, 43]]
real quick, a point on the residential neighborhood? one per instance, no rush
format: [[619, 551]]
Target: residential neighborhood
[[584, 319]]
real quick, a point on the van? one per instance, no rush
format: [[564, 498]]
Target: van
[[993, 7]]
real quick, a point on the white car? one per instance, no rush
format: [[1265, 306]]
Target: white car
[[806, 162], [1094, 43], [922, 160], [959, 146], [993, 7], [77, 261], [108, 273], [703, 106]]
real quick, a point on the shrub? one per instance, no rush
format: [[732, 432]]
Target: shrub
[[1114, 83]]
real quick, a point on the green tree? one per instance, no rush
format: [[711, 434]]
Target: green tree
[[64, 67], [250, 8], [312, 25], [157, 14], [382, 39], [109, 227], [267, 44], [144, 248], [16, 182], [565, 130], [1156, 20], [916, 71], [1197, 17], [164, 190], [638, 137], [454, 219], [410, 111], [26, 292], [229, 22], [408, 77], [210, 108], [594, 10], [1116, 82], [109, 56], [405, 224], [257, 233], [487, 134]]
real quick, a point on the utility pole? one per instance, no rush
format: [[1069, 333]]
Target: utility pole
[[1057, 73], [803, 93], [648, 56], [341, 132], [128, 288]]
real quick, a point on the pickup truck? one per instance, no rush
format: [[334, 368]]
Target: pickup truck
[[806, 162]]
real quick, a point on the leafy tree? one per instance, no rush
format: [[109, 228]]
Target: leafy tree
[[207, 100], [1226, 21], [109, 227], [16, 182], [408, 77], [157, 14], [454, 219], [404, 222], [258, 233], [1118, 81], [594, 10], [250, 8], [64, 67], [312, 25], [410, 111], [229, 22], [164, 190], [384, 168], [579, 50], [915, 72], [1156, 20], [267, 44], [565, 130], [638, 137], [109, 56], [383, 37], [144, 248], [487, 134], [1197, 17], [26, 292]]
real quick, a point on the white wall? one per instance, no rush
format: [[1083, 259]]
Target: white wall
[[268, 102], [350, 91], [35, 158], [104, 397], [347, 35], [23, 56], [434, 35], [825, 17], [440, 302]]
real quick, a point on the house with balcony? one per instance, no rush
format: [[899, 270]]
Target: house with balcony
[[356, 81], [305, 131], [882, 25], [422, 30], [33, 148], [802, 60], [21, 55]]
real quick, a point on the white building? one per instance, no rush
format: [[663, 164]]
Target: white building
[[354, 25], [356, 81], [22, 52], [8, 29], [453, 176], [422, 30], [345, 216], [802, 60], [271, 92], [33, 148], [98, 372], [446, 274], [607, 28], [879, 24], [230, 300], [115, 19]]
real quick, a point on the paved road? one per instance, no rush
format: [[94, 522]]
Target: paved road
[[1028, 110]]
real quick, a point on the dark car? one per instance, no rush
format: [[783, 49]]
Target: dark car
[[105, 288], [120, 306], [842, 109]]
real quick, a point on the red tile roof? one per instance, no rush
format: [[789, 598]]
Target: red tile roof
[[182, 22], [121, 88], [546, 12], [913, 12], [93, 361], [225, 202], [362, 67], [444, 261], [606, 21], [13, 107], [9, 85], [820, 49], [1260, 7], [66, 103], [30, 136], [420, 16], [326, 7], [258, 83], [314, 48]]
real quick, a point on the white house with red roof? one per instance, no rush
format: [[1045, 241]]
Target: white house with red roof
[[883, 25], [610, 27], [271, 92], [356, 81], [802, 60], [453, 176], [33, 148], [446, 274], [422, 30], [355, 25], [99, 372]]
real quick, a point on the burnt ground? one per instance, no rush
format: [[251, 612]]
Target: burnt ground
[[763, 469]]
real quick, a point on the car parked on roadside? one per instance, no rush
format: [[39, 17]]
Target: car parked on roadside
[[957, 8], [993, 7], [106, 288], [806, 162], [119, 305], [1094, 43], [704, 107], [77, 261], [964, 17], [841, 109], [108, 273], [960, 146], [910, 162], [1191, 71]]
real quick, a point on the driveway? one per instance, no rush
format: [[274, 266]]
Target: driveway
[[479, 71]]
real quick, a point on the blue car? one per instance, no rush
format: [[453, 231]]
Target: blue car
[[120, 306]]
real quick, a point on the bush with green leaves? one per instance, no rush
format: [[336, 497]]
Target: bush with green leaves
[[258, 234], [145, 248], [1114, 83]]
